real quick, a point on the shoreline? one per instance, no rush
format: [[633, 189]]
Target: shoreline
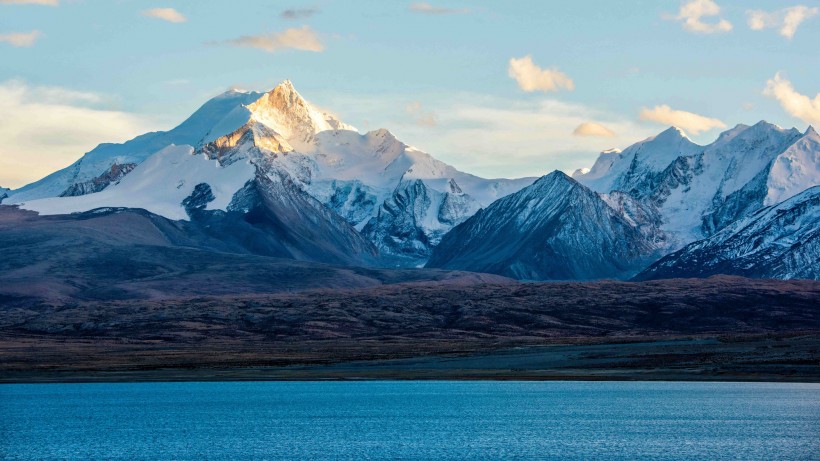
[[761, 358]]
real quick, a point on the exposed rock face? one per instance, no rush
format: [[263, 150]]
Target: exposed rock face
[[555, 229], [199, 198], [305, 228], [780, 241], [112, 176], [413, 220]]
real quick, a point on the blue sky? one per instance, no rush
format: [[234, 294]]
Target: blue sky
[[438, 74]]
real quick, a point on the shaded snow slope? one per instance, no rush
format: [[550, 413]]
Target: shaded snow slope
[[781, 241], [698, 190], [555, 229]]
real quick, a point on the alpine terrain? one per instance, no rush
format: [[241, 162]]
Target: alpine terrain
[[269, 174], [653, 198], [246, 152], [780, 241]]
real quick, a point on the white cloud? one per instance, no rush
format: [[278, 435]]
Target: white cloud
[[795, 104], [688, 121], [693, 11], [30, 2], [593, 129], [786, 20], [166, 14], [46, 128], [21, 40], [426, 8], [531, 78], [303, 38]]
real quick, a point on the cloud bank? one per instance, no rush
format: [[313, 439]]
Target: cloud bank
[[532, 78], [303, 38], [688, 121], [46, 128], [692, 13], [795, 104], [494, 136], [786, 20]]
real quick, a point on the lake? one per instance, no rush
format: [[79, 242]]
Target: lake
[[410, 420]]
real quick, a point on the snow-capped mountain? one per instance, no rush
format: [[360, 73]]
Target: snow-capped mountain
[[699, 190], [652, 198], [103, 158], [270, 173], [779, 241], [555, 229], [234, 203], [365, 179]]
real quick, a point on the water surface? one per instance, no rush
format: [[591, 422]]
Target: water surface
[[410, 420]]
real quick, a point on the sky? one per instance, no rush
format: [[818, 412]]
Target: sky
[[498, 89]]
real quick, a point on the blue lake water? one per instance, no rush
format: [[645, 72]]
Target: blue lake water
[[410, 420]]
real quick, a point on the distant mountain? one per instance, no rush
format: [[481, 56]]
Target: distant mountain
[[652, 198], [780, 241], [215, 113], [248, 211], [270, 174], [698, 190], [415, 218], [555, 229], [279, 136]]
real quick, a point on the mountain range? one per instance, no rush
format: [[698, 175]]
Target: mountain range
[[269, 174]]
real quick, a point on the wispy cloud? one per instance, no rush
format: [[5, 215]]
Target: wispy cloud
[[786, 20], [21, 39], [303, 38], [166, 14], [688, 121], [44, 128], [795, 104], [30, 2], [426, 8], [421, 117], [531, 78], [692, 13], [493, 136], [299, 13], [593, 129]]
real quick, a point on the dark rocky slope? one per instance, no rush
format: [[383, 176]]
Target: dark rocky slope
[[555, 229]]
